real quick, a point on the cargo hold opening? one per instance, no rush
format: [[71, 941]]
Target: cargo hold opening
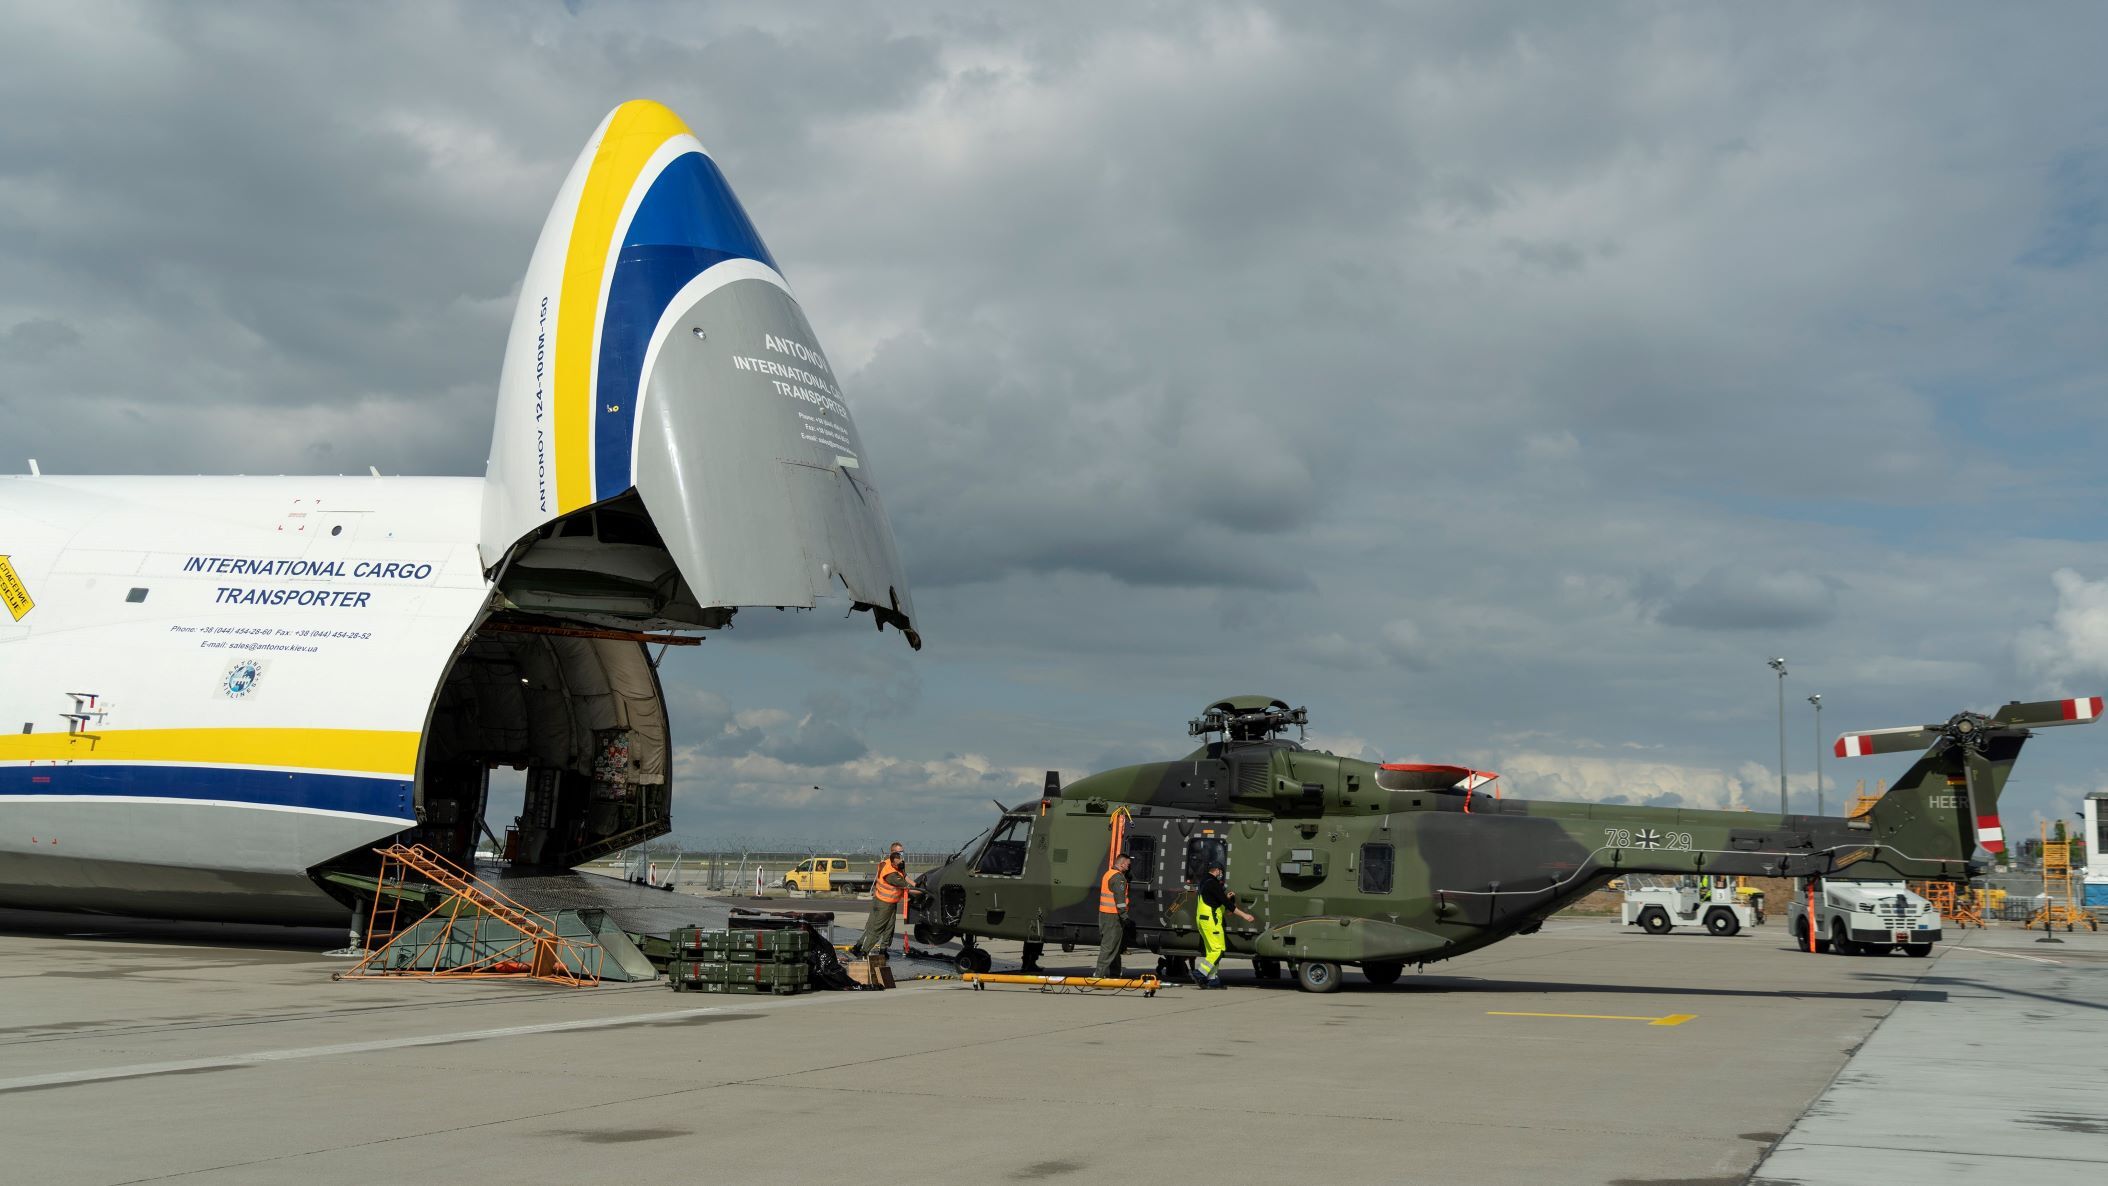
[[583, 716], [604, 566]]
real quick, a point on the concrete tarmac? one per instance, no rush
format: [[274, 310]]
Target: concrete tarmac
[[1991, 1076], [1587, 1053]]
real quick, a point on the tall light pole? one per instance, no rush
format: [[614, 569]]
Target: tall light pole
[[1779, 665], [1817, 701]]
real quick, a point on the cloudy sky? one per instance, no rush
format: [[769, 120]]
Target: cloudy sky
[[1504, 382]]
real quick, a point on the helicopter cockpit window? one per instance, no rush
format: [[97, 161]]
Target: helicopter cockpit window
[[1204, 851], [1141, 852], [1377, 861], [1005, 854]]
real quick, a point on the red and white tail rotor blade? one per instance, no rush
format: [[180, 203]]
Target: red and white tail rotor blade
[[2042, 714], [1886, 741], [1990, 834]]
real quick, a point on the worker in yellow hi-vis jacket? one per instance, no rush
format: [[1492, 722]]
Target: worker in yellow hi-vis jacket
[[1214, 902]]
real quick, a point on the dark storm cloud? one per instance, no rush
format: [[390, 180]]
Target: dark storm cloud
[[1456, 370], [1752, 598], [816, 743], [38, 339]]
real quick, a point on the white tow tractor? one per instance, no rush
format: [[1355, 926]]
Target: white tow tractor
[[1864, 918], [1691, 901]]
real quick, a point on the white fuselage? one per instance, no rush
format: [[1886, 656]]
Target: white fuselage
[[222, 682]]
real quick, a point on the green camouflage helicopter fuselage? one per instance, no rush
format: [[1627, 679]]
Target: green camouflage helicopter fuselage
[[1343, 861]]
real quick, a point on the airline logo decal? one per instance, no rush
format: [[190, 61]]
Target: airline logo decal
[[13, 592], [240, 679]]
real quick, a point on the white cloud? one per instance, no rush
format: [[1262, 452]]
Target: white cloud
[[2073, 644], [1537, 774]]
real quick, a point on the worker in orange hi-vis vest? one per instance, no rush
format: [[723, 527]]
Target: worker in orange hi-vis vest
[[1112, 916], [888, 890]]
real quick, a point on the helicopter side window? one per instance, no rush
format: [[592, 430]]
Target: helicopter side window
[[1377, 860], [1141, 852], [1005, 854], [1203, 851]]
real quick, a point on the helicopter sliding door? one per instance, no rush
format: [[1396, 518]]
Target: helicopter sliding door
[[1152, 883], [1169, 855]]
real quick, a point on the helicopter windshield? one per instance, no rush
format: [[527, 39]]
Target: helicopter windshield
[[1005, 854]]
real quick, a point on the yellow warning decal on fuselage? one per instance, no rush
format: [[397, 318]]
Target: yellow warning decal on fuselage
[[12, 592]]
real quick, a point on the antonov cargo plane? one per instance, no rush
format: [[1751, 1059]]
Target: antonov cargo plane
[[216, 692]]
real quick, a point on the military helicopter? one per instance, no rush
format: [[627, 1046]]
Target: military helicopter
[[1379, 865]]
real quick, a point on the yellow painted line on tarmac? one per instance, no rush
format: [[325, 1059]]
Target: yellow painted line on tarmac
[[1671, 1019]]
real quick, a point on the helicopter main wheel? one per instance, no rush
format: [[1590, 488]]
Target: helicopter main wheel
[[974, 959], [1173, 967], [1266, 968], [1656, 921], [1722, 923], [1382, 973], [1317, 976]]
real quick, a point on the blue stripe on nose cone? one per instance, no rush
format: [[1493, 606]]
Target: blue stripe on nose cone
[[688, 221]]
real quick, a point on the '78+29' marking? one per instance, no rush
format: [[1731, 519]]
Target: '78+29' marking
[[1646, 838]]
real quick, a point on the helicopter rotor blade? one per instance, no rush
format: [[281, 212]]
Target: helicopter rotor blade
[[2042, 714], [1989, 832], [1886, 741]]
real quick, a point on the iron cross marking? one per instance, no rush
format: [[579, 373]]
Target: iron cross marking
[[1647, 839]]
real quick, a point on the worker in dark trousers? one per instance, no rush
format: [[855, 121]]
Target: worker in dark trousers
[[1214, 902], [1112, 916], [888, 889]]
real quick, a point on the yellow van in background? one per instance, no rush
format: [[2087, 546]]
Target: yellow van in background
[[827, 875]]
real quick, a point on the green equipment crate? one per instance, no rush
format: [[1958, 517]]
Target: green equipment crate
[[752, 990], [776, 947], [740, 976]]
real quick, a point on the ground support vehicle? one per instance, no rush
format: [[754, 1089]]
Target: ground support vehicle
[[1855, 917], [828, 875], [1660, 909]]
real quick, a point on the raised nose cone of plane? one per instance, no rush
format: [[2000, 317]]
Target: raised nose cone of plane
[[658, 355]]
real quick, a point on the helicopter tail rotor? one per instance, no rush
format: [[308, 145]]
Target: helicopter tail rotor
[[1947, 803]]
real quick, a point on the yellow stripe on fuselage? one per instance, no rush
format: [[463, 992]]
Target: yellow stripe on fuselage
[[365, 750], [635, 132]]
